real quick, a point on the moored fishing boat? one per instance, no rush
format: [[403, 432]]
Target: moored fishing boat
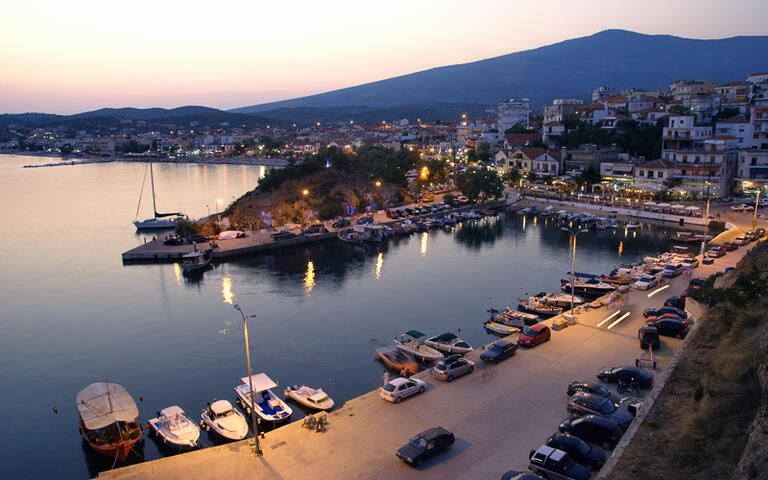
[[397, 359], [561, 300], [419, 350], [221, 417], [513, 317], [592, 287], [196, 260], [174, 428], [500, 328], [536, 306], [263, 400], [309, 397], [108, 415]]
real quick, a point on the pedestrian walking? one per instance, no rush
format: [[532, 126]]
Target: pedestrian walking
[[385, 377]]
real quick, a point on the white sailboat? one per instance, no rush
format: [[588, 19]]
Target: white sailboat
[[161, 220]]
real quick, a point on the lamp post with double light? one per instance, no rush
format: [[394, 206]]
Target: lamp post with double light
[[573, 235], [256, 447]]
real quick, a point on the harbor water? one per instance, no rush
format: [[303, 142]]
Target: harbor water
[[73, 314]]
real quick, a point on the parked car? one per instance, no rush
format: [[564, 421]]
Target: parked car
[[626, 374], [556, 464], [452, 366], [594, 388], [740, 241], [578, 449], [688, 321], [670, 327], [742, 208], [534, 335], [316, 228], [751, 235], [728, 246], [399, 388], [283, 236], [499, 351], [197, 238], [677, 302], [715, 252], [593, 429], [672, 270], [365, 220], [583, 403], [655, 312], [645, 282], [173, 241], [341, 223], [517, 475], [425, 445]]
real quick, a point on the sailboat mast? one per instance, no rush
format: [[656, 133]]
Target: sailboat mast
[[152, 180]]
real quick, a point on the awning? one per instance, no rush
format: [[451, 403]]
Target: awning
[[104, 403], [649, 203], [677, 207], [664, 205], [261, 382], [692, 208]]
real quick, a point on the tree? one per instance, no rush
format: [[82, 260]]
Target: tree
[[513, 176], [154, 145], [680, 110], [483, 151], [476, 182], [532, 177], [66, 149], [185, 228], [589, 176], [449, 198], [517, 128]]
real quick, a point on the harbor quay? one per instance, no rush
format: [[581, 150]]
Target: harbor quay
[[498, 414], [258, 241]]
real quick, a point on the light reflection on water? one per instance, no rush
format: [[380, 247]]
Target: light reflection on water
[[309, 278]]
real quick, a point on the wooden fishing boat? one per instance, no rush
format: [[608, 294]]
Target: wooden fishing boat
[[108, 415]]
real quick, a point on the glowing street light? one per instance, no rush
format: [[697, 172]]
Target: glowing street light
[[378, 183], [305, 192], [218, 205]]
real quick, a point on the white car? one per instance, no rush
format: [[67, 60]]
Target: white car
[[398, 389], [645, 282], [690, 263], [672, 270], [742, 208], [740, 241]]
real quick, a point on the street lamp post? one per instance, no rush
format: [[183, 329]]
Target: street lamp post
[[757, 204], [573, 264], [256, 447]]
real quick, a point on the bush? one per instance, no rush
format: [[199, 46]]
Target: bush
[[330, 208], [184, 228], [449, 198]]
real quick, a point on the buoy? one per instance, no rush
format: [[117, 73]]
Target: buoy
[[141, 398], [147, 427], [459, 329], [55, 410]]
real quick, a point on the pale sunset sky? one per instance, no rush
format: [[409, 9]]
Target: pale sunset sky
[[77, 55]]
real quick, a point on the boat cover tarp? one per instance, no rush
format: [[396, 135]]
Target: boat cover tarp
[[230, 234], [261, 382], [221, 406], [93, 403], [169, 412]]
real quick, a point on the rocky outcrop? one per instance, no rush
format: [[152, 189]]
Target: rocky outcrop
[[754, 460]]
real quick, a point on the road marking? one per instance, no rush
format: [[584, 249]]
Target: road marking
[[613, 315], [658, 290], [617, 321]]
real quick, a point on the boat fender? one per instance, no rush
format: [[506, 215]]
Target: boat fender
[[55, 410], [147, 426], [141, 398]]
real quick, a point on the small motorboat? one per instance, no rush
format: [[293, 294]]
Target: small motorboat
[[309, 397], [411, 336], [268, 406], [448, 342], [174, 428], [196, 261], [633, 226], [419, 350], [500, 328], [397, 360], [561, 300], [513, 317], [222, 418], [108, 419], [535, 306], [592, 287]]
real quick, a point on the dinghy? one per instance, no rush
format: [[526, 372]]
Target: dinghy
[[500, 329], [174, 428], [309, 397]]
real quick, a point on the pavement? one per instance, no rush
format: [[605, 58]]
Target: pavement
[[498, 413]]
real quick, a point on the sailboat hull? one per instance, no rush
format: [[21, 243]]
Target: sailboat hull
[[155, 224]]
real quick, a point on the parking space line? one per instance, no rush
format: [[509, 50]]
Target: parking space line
[[658, 290], [610, 317], [617, 321]]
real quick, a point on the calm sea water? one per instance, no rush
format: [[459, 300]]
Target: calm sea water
[[73, 314]]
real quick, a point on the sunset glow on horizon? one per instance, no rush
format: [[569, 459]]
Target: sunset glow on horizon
[[68, 57]]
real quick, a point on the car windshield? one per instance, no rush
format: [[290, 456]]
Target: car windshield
[[389, 387], [496, 348], [418, 441], [607, 406], [529, 333], [582, 447], [441, 366], [602, 391]]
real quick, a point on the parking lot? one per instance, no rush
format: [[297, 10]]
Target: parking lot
[[498, 413]]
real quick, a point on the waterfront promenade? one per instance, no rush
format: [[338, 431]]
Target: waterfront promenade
[[498, 413]]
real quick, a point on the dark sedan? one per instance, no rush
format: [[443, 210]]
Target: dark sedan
[[655, 312], [626, 374], [578, 449], [516, 475], [425, 445], [583, 403], [499, 351], [675, 302], [595, 388], [593, 429], [670, 327], [365, 220], [341, 223]]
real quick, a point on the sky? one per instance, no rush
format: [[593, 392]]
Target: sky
[[78, 55]]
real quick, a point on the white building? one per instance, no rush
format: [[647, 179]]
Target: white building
[[514, 111], [752, 171]]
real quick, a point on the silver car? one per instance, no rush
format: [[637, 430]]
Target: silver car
[[451, 367], [582, 403]]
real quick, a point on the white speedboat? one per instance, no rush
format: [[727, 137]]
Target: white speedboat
[[419, 350], [225, 420], [562, 300], [633, 226], [309, 397], [449, 343], [535, 306], [411, 336], [592, 287], [174, 428], [268, 406]]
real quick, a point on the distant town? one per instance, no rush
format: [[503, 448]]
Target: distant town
[[695, 140]]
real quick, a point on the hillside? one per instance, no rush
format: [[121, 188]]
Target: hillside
[[572, 68]]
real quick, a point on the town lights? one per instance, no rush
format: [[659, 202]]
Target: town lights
[[378, 183], [305, 192]]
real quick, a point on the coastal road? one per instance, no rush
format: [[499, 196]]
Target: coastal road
[[498, 413]]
